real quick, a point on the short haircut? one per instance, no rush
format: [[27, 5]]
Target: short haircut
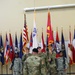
[[38, 47], [35, 50]]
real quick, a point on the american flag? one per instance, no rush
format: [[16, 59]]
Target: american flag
[[25, 33]]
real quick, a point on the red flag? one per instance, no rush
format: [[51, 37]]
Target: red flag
[[42, 43], [49, 30], [25, 33], [70, 54], [11, 54], [57, 37]]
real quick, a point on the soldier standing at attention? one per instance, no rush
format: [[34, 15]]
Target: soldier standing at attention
[[61, 63], [16, 65], [44, 61], [51, 60], [33, 64], [24, 57]]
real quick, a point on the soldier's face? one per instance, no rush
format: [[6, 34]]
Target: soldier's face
[[61, 54], [34, 53], [39, 50], [16, 55], [27, 51]]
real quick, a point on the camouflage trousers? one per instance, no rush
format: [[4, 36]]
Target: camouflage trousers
[[25, 72], [61, 72], [43, 71], [52, 71], [16, 73]]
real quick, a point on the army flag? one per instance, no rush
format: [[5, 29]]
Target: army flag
[[70, 54], [73, 51], [42, 43], [25, 33], [21, 46], [1, 51], [7, 49], [34, 34], [49, 30], [63, 44], [11, 53]]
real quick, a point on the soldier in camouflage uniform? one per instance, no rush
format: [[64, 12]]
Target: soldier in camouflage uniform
[[25, 54], [16, 65], [44, 61], [51, 60], [33, 64], [24, 57], [61, 63]]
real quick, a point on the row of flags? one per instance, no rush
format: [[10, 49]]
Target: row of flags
[[7, 51]]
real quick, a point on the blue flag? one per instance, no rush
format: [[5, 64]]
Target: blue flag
[[63, 45], [1, 51], [21, 46], [16, 41]]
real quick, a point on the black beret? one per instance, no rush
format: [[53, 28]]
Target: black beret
[[35, 50]]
